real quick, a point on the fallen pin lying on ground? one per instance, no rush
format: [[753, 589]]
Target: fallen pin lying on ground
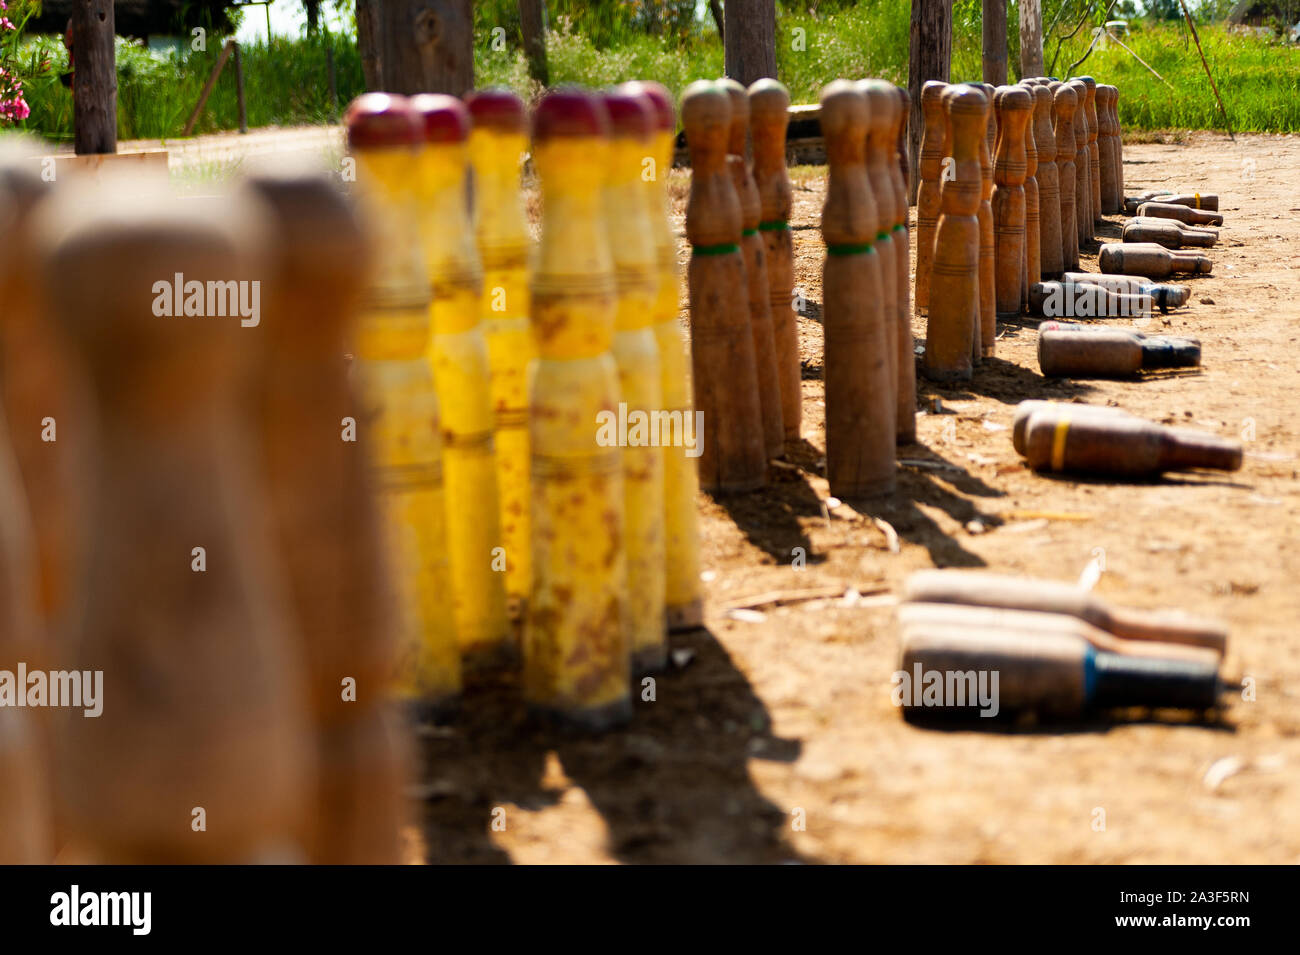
[[1149, 259], [1165, 295], [1059, 438], [1025, 410], [982, 589], [1169, 233], [1007, 664], [1083, 351], [1193, 200], [1172, 210], [1082, 300]]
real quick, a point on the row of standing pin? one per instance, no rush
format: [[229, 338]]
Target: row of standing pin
[[745, 346], [611, 535], [1035, 166]]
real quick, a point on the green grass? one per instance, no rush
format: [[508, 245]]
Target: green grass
[[286, 84]]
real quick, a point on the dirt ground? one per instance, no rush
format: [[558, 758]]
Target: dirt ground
[[775, 739]]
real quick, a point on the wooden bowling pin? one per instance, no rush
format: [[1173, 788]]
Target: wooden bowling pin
[[1015, 106], [1083, 217], [1150, 260], [1117, 144], [906, 364], [769, 105], [751, 245], [41, 393], [905, 99], [860, 401], [459, 357], [1165, 296], [957, 243], [986, 315], [399, 404], [1169, 233], [1026, 409], [1032, 622], [684, 594], [636, 352], [577, 657], [1125, 447], [1051, 260], [1064, 104], [1094, 147], [882, 105], [1193, 200], [1033, 265], [324, 521], [1180, 213], [1086, 300], [930, 169], [1052, 673], [497, 144], [1112, 195], [181, 605], [25, 824], [722, 344], [1111, 353]]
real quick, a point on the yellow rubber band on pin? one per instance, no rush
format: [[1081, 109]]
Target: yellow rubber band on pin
[[1058, 442], [1198, 200]]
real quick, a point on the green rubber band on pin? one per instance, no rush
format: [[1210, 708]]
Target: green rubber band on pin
[[774, 225], [724, 249], [749, 232], [900, 228], [855, 249], [882, 236]]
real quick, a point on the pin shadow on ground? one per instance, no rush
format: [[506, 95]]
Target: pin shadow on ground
[[672, 787]]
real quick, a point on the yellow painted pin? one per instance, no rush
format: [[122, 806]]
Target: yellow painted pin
[[400, 420], [497, 145], [576, 653], [640, 425], [459, 358]]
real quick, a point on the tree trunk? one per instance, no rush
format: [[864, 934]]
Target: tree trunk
[[94, 84], [368, 44], [995, 41], [532, 22], [750, 40], [930, 59], [1031, 38], [313, 15], [417, 46], [715, 7]]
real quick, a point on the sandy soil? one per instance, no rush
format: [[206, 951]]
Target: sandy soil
[[777, 740]]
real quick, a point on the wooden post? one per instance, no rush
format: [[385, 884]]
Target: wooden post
[[239, 90], [749, 41], [368, 44], [94, 87], [994, 21], [532, 23], [207, 87], [1031, 38], [417, 46], [930, 59]]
